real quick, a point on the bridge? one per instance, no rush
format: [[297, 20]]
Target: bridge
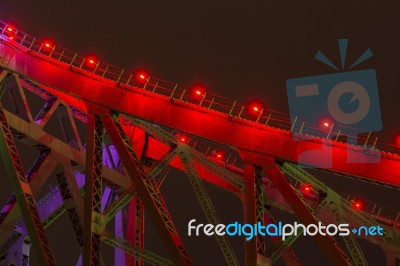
[[119, 135]]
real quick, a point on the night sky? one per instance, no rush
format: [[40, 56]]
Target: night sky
[[243, 51]]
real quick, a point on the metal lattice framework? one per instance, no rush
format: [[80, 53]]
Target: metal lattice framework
[[115, 151]]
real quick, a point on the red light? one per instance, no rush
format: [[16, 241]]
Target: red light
[[357, 204], [142, 75], [306, 188], [48, 44], [183, 139], [326, 124], [91, 61], [255, 107], [218, 155], [199, 91], [9, 32]]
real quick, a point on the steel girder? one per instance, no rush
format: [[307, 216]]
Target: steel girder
[[94, 224], [23, 192], [328, 244], [149, 192], [205, 202], [122, 201]]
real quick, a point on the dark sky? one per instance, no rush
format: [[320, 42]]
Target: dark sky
[[239, 50]]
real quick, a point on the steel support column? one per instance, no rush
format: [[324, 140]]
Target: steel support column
[[93, 223], [250, 247], [260, 243], [135, 229]]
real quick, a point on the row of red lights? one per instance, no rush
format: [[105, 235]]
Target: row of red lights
[[307, 189], [92, 61], [197, 91]]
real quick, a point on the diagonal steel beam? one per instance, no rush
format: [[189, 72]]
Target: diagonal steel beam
[[351, 242], [205, 202], [328, 245], [23, 191], [149, 192], [70, 206], [37, 176], [38, 135]]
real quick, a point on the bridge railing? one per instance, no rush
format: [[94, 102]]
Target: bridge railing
[[224, 105], [383, 214]]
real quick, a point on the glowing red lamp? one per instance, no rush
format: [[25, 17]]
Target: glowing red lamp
[[255, 107], [199, 91], [357, 205], [142, 75], [306, 188], [183, 139], [48, 44], [10, 32], [91, 61], [219, 155]]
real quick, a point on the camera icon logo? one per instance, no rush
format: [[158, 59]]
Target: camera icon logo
[[344, 103]]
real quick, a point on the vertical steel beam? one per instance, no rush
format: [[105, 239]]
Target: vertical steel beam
[[93, 224], [148, 191], [260, 243], [119, 254], [22, 190], [250, 247], [328, 245], [135, 229]]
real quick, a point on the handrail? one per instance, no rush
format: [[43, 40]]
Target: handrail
[[175, 92]]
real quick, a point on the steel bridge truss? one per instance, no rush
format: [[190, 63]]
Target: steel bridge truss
[[111, 172]]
